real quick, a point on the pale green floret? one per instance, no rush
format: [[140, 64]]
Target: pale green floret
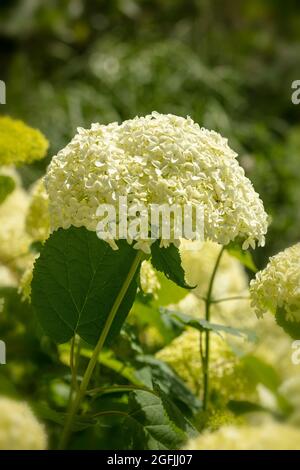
[[37, 218], [19, 429]]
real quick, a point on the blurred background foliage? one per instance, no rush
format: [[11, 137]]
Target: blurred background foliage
[[227, 64]]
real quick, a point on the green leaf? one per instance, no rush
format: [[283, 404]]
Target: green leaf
[[46, 413], [202, 325], [7, 185], [76, 280], [148, 313], [168, 261], [170, 384], [261, 372], [243, 406], [292, 328], [109, 360], [245, 257], [156, 422]]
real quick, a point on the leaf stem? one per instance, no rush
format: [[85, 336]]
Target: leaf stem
[[93, 361], [208, 302]]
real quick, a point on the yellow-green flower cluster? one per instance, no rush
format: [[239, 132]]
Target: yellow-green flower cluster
[[14, 242], [26, 279], [198, 265], [19, 429], [268, 436], [20, 143], [156, 159], [278, 285], [149, 280], [226, 377], [37, 218]]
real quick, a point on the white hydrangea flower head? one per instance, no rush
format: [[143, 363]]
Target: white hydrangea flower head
[[156, 159], [37, 218], [268, 436], [278, 285], [149, 280], [19, 428]]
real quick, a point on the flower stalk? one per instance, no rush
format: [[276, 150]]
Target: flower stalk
[[205, 357], [93, 361]]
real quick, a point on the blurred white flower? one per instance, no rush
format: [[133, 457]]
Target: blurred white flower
[[14, 241], [19, 429], [268, 436]]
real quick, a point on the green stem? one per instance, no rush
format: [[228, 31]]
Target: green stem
[[76, 362], [208, 303], [73, 373], [117, 389], [227, 299], [93, 361]]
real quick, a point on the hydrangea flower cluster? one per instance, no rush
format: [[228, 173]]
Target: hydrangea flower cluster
[[20, 143], [227, 377], [37, 218], [278, 285], [156, 159], [198, 264], [149, 281], [19, 429], [268, 436], [14, 241]]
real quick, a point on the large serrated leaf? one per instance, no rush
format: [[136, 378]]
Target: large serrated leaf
[[170, 383], [76, 280], [157, 422], [168, 261]]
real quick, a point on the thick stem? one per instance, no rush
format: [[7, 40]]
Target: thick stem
[[208, 302], [93, 361]]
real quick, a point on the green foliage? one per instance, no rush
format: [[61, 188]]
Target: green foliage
[[292, 328], [76, 280], [261, 372], [47, 414], [245, 257], [157, 424], [202, 325], [170, 384], [7, 185], [168, 261]]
